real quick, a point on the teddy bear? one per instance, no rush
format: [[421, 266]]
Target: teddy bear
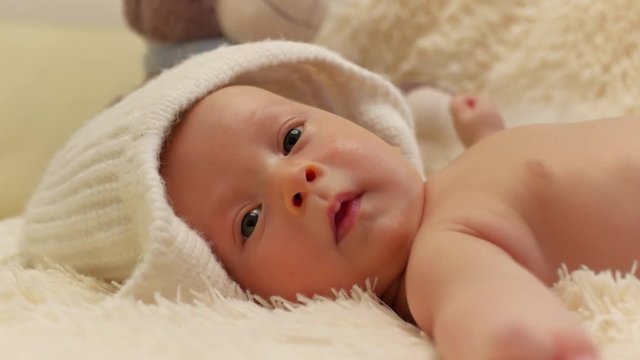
[[175, 30]]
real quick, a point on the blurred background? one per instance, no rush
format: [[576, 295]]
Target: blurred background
[[61, 62]]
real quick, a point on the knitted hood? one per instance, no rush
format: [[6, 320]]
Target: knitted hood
[[101, 206]]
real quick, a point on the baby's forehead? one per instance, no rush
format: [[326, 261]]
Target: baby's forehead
[[240, 105], [226, 116], [244, 95]]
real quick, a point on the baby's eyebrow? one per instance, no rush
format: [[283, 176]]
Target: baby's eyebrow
[[269, 118], [271, 110]]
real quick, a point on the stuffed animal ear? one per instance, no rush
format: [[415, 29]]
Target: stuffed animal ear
[[172, 21], [251, 20]]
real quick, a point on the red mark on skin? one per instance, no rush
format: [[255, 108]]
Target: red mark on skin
[[471, 102], [539, 169]]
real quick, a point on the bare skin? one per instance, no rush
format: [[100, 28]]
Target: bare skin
[[329, 213], [504, 216], [474, 118], [472, 269]]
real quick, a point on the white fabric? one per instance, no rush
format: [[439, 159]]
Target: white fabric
[[58, 314], [101, 207]]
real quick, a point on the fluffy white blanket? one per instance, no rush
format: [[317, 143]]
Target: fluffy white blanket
[[58, 314], [542, 61]]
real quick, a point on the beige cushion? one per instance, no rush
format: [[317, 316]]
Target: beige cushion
[[53, 79]]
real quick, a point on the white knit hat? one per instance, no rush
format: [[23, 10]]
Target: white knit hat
[[101, 207]]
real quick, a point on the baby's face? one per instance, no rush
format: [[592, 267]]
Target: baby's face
[[293, 199]]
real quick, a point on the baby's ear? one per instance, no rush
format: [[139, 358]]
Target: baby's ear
[[252, 20], [172, 21]]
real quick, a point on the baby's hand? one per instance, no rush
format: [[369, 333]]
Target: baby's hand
[[474, 118], [521, 343]]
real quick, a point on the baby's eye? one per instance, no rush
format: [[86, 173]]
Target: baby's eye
[[249, 222], [290, 140]]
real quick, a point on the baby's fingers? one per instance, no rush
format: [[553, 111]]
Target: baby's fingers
[[518, 343], [574, 345]]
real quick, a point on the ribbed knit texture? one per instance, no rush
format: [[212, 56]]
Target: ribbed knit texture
[[101, 207]]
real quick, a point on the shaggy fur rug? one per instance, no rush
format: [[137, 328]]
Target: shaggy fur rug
[[542, 61], [57, 314]]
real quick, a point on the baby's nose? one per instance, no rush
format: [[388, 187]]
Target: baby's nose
[[298, 185]]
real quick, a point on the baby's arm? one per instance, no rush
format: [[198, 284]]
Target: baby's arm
[[478, 303]]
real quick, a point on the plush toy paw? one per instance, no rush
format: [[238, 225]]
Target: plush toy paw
[[238, 20], [172, 21], [251, 20], [430, 108]]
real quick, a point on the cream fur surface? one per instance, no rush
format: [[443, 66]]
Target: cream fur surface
[[542, 61], [58, 314]]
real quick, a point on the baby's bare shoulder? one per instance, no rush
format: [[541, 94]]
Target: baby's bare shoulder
[[555, 180], [486, 217], [548, 156]]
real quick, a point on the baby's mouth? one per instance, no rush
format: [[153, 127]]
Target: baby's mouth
[[343, 214]]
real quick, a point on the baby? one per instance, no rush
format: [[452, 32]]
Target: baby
[[300, 200], [293, 198]]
